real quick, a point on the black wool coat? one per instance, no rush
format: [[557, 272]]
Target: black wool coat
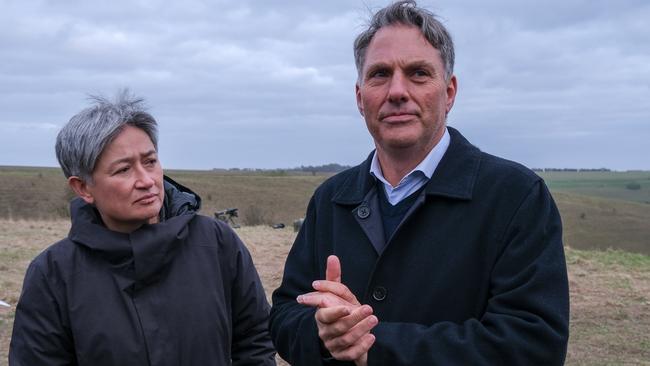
[[180, 292], [474, 275]]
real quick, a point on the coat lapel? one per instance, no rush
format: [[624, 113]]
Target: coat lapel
[[454, 178], [368, 216]]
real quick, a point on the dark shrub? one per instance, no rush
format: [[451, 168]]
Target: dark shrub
[[633, 186]]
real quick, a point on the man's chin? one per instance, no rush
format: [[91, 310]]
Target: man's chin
[[396, 144]]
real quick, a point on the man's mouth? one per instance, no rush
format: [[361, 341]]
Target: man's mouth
[[397, 117]]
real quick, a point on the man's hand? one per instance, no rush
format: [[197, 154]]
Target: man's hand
[[343, 323]]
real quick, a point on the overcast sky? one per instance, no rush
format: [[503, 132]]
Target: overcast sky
[[270, 84]]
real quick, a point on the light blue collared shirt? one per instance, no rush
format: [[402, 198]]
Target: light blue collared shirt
[[417, 177]]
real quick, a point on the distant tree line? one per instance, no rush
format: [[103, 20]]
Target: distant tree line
[[336, 168], [326, 168], [571, 170]]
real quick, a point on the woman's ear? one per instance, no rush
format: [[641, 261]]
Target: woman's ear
[[80, 187]]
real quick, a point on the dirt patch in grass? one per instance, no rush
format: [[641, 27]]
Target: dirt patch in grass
[[610, 308], [610, 290]]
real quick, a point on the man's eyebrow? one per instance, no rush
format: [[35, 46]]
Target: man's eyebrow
[[420, 63], [376, 66], [409, 65]]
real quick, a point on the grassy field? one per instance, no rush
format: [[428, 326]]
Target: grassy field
[[33, 193], [610, 290], [261, 197], [597, 209], [610, 185], [610, 301]]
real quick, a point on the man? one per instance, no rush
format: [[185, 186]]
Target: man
[[430, 252]]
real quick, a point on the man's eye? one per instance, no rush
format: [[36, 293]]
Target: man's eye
[[378, 74], [151, 162], [420, 73]]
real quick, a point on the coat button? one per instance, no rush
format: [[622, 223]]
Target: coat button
[[379, 293], [363, 212]]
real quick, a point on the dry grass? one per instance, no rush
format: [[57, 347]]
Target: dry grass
[[610, 301], [33, 193], [260, 197], [610, 305], [610, 308], [42, 193], [20, 241], [268, 197], [269, 248]]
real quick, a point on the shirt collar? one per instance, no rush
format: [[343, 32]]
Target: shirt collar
[[427, 166]]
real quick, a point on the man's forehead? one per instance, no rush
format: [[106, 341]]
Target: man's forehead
[[397, 34], [400, 42]]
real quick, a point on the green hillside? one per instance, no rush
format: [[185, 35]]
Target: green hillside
[[628, 186]]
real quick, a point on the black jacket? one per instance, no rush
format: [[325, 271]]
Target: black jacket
[[180, 292], [474, 275]]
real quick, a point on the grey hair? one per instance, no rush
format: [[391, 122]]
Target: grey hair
[[407, 12], [82, 140]]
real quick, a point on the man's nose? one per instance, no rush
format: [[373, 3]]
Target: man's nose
[[398, 88]]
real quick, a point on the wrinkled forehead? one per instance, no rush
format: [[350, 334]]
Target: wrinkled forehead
[[400, 43]]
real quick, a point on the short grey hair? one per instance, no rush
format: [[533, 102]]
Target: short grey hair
[[407, 12], [82, 140]]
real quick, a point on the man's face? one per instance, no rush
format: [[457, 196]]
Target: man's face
[[402, 92], [127, 187]]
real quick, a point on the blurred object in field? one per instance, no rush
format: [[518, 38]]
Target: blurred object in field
[[227, 216]]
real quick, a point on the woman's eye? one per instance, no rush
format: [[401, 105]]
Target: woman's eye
[[122, 170]]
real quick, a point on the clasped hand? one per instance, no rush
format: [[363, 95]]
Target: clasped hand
[[343, 323]]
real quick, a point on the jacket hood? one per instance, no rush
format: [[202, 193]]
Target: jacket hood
[[141, 256], [178, 200]]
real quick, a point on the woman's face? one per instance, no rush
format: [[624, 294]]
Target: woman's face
[[127, 187]]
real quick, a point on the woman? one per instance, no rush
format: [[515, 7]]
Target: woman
[[141, 279]]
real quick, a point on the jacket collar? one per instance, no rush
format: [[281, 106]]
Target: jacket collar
[[178, 200], [454, 177]]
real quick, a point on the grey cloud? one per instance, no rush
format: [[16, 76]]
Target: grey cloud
[[273, 81]]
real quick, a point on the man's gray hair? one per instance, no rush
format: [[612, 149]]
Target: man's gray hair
[[83, 139], [406, 12]]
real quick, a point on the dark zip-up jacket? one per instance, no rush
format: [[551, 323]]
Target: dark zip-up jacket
[[180, 292], [473, 275]]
